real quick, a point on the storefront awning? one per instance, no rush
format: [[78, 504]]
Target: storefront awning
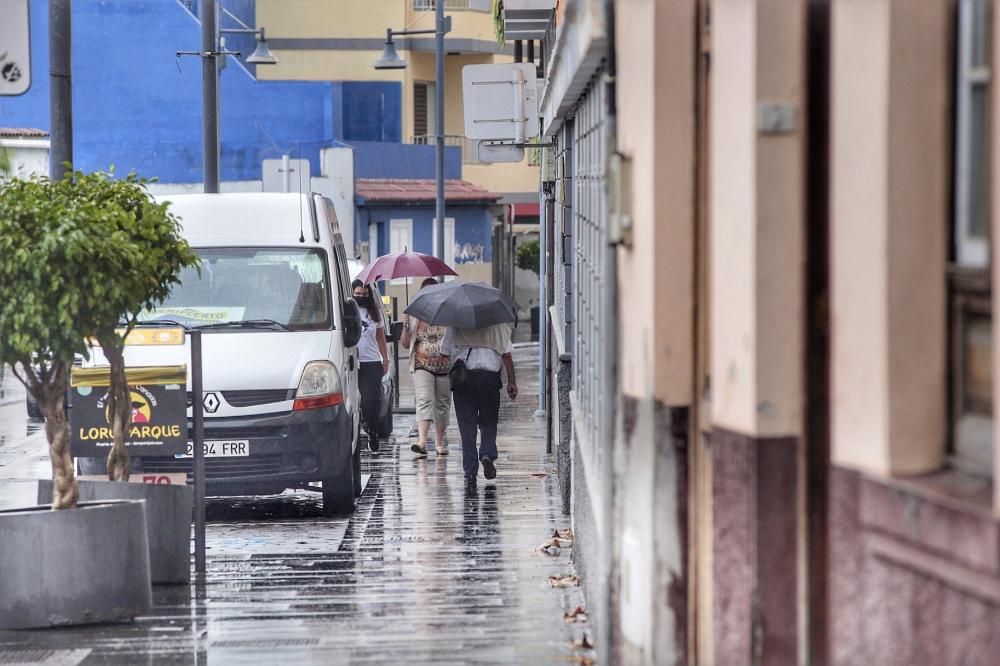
[[518, 211]]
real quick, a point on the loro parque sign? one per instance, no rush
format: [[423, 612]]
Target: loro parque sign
[[159, 411]]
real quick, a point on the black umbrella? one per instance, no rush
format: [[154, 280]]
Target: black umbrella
[[462, 305]]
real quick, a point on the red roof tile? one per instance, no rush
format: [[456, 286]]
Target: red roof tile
[[24, 132], [402, 190]]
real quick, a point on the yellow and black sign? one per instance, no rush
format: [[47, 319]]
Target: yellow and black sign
[[159, 411]]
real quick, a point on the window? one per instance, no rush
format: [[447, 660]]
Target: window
[[972, 135], [400, 239], [423, 111], [969, 291], [373, 244], [287, 286], [449, 240]]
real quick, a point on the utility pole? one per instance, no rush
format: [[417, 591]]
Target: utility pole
[[61, 83], [440, 29], [209, 96], [391, 60]]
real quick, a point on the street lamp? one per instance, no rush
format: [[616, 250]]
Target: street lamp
[[262, 54], [211, 49], [391, 60]]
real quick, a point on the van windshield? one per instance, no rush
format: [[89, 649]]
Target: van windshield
[[289, 286]]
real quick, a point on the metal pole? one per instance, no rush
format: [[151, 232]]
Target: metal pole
[[198, 444], [439, 126], [209, 96], [395, 348], [543, 351], [61, 81]]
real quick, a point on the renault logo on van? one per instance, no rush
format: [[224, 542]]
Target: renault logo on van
[[210, 403]]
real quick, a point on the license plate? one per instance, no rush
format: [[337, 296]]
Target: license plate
[[220, 449]]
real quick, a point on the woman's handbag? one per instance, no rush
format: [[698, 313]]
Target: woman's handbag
[[456, 376]]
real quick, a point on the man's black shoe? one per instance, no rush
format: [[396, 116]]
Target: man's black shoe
[[489, 469], [373, 443], [470, 483]]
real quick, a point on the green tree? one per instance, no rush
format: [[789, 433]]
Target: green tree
[[497, 11], [41, 322], [78, 256], [134, 259], [529, 255]]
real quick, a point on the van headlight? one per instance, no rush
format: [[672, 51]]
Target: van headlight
[[319, 386]]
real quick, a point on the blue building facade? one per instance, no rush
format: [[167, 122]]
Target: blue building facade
[[138, 107], [396, 214]]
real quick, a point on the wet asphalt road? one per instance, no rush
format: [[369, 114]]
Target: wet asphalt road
[[422, 572]]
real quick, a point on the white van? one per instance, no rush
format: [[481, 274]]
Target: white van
[[279, 330]]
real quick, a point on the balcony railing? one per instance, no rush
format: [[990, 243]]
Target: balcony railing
[[468, 146], [471, 5]]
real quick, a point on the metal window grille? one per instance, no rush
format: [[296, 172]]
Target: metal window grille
[[563, 228], [590, 237]]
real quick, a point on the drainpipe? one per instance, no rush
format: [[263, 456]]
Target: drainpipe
[[609, 406], [543, 319]]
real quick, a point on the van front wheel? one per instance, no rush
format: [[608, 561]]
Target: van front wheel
[[338, 493], [356, 464]]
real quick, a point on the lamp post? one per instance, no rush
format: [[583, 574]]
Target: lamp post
[[391, 60], [210, 51], [61, 82]]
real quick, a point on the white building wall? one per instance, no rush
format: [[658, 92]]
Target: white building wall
[[27, 157]]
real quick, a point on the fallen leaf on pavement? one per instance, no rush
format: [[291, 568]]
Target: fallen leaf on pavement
[[579, 614], [583, 643], [564, 581], [540, 475], [551, 547]]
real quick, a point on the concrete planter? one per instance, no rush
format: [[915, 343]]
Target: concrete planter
[[78, 566], [168, 521]]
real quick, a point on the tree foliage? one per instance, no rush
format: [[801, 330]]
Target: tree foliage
[[498, 29], [134, 263], [79, 257], [529, 255]]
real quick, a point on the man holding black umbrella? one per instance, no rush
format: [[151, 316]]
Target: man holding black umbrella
[[477, 398], [479, 318]]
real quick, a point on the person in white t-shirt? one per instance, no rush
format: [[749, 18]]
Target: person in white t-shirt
[[373, 361], [477, 400]]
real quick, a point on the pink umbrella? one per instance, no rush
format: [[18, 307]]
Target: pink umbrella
[[404, 265]]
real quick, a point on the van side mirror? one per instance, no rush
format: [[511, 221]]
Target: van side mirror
[[395, 331], [352, 323]]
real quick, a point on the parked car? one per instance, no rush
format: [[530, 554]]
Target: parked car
[[392, 333], [280, 329]]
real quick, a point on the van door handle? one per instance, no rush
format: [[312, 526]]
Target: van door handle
[[350, 364]]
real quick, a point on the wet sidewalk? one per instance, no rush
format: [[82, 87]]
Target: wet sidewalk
[[421, 573]]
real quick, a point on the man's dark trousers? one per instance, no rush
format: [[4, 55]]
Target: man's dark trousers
[[477, 406]]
